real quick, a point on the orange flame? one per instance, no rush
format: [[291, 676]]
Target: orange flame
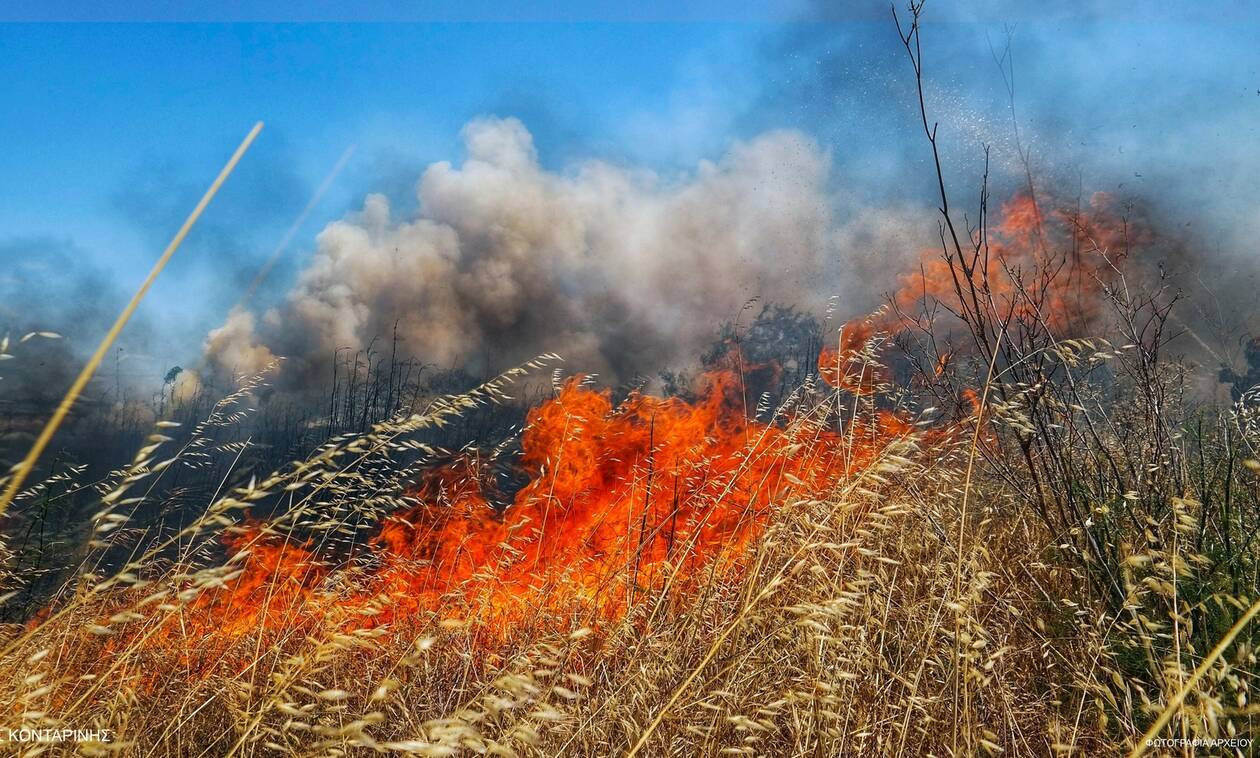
[[1049, 267], [651, 495]]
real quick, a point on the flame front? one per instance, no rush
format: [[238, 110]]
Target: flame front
[[645, 499], [1048, 267], [623, 504]]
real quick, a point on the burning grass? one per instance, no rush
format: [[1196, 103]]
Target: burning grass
[[672, 578], [1055, 556], [621, 503], [1046, 564], [630, 516]]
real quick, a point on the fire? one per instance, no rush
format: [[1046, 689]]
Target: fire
[[846, 366], [618, 498], [1050, 267], [623, 503]]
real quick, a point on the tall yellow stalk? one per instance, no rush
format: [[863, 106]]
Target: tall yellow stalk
[[23, 469]]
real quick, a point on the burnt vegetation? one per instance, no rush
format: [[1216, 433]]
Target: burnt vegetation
[[993, 516]]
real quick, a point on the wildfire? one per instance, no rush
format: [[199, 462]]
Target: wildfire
[[622, 503], [1050, 267]]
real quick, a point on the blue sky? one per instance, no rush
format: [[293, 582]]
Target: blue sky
[[89, 105], [111, 130]]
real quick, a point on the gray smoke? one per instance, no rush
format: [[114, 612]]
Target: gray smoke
[[48, 284], [619, 270]]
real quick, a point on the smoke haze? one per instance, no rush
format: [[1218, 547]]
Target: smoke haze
[[619, 270]]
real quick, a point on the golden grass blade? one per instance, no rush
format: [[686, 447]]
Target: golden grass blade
[[67, 402], [1139, 748], [962, 512]]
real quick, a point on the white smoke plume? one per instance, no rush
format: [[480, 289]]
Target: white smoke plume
[[620, 271]]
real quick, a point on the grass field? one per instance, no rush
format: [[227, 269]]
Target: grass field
[[998, 515], [856, 575]]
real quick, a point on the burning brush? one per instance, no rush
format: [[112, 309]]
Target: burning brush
[[623, 505]]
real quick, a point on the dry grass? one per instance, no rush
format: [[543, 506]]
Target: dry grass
[[1068, 569], [859, 624]]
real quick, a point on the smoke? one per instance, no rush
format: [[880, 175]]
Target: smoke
[[47, 285], [1098, 106], [619, 270]]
